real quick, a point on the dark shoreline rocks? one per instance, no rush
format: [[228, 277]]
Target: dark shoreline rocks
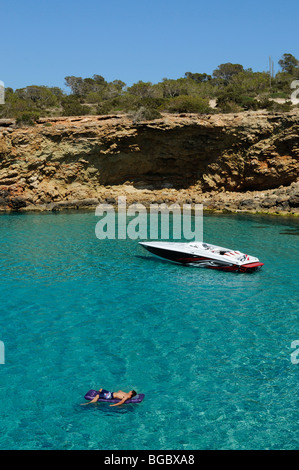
[[282, 201]]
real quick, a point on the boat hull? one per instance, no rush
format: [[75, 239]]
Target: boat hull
[[200, 260]]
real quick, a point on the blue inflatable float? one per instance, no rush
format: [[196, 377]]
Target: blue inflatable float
[[91, 394]]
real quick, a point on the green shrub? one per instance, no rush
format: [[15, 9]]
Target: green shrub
[[271, 105], [187, 104], [229, 107], [145, 114], [280, 95], [72, 107], [104, 108], [247, 102], [232, 94], [93, 97], [282, 107], [265, 103], [27, 118]]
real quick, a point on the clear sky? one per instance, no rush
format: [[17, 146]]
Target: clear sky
[[131, 40]]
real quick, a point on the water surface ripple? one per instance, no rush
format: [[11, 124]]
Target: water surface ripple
[[210, 350]]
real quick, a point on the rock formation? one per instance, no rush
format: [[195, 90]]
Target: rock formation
[[239, 162]]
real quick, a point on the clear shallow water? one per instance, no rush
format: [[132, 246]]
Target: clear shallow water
[[210, 350]]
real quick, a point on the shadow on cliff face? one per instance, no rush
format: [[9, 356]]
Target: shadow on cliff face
[[157, 159], [210, 157]]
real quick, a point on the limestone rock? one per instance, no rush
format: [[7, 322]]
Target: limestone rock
[[229, 161]]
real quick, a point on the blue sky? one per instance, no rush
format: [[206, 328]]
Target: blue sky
[[42, 42]]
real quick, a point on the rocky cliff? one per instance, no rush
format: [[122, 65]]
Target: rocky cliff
[[244, 161]]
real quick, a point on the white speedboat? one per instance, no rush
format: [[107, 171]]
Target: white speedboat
[[204, 255]]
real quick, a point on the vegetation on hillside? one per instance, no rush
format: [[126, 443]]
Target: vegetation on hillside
[[230, 88]]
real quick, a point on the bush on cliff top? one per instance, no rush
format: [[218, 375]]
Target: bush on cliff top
[[28, 118], [188, 104], [145, 114], [234, 88]]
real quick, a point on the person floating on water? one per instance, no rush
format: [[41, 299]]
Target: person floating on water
[[120, 395]]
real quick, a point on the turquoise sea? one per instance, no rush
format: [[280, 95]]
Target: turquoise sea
[[211, 350]]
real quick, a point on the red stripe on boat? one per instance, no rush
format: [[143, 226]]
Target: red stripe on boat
[[251, 265]]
